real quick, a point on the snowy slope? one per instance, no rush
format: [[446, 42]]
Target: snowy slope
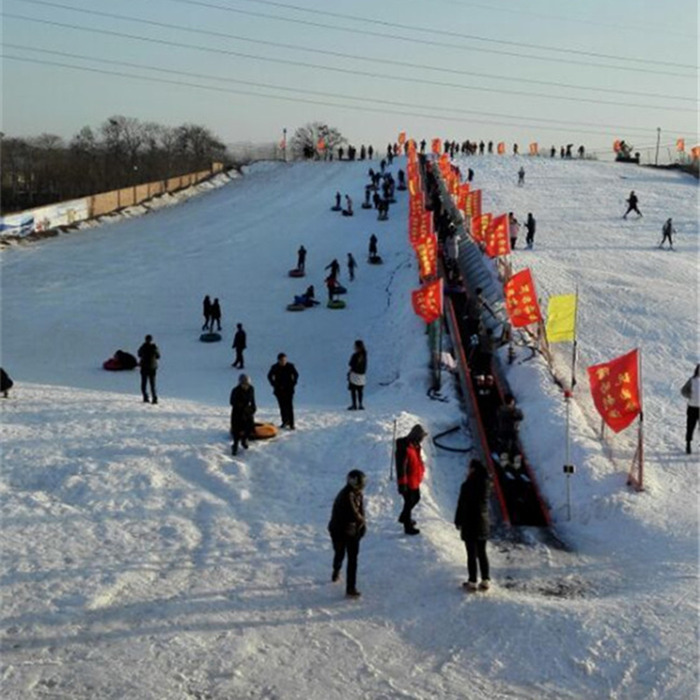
[[141, 561]]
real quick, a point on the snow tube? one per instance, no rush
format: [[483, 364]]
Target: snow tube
[[121, 361], [296, 307], [340, 289], [366, 205], [336, 304], [336, 208], [210, 337], [297, 273], [264, 431], [375, 260]]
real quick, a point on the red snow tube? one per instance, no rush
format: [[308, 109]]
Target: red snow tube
[[296, 273]]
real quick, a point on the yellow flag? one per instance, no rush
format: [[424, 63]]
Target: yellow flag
[[561, 318]]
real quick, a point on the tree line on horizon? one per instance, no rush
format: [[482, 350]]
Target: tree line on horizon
[[121, 152]]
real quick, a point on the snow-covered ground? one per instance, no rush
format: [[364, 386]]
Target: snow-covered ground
[[140, 560]]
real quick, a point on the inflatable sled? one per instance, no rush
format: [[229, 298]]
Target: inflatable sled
[[210, 337], [336, 208], [296, 307], [121, 361], [375, 260], [366, 205], [336, 304], [296, 272], [264, 431], [339, 289], [347, 213]]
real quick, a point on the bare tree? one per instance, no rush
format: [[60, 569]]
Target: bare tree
[[315, 140]]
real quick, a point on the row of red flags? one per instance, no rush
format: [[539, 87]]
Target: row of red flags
[[614, 385]]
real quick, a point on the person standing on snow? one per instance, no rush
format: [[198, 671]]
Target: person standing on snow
[[410, 471], [521, 176], [283, 377], [243, 409], [206, 310], [472, 520], [334, 267], [372, 247], [514, 229], [239, 345], [356, 375], [352, 264], [149, 355], [347, 527], [632, 202], [530, 226], [216, 315], [301, 258], [667, 231], [691, 392]]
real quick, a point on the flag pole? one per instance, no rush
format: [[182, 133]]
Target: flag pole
[[638, 459], [568, 394]]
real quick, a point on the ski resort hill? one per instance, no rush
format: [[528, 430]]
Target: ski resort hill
[[141, 560]]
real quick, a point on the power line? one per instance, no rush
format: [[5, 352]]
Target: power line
[[337, 54], [572, 20], [363, 108], [283, 88], [316, 66], [381, 35], [442, 32]]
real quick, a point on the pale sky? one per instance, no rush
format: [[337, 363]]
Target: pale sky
[[549, 71]]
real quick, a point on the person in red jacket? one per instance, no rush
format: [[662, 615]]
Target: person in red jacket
[[410, 471]]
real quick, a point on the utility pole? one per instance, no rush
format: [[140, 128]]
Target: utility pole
[[284, 144], [658, 140]]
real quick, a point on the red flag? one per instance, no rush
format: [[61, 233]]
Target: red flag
[[436, 146], [321, 144], [462, 194], [497, 237], [473, 207], [534, 149], [617, 145], [426, 252], [501, 148], [479, 226], [695, 152], [680, 145], [615, 390], [402, 138], [427, 301], [521, 299]]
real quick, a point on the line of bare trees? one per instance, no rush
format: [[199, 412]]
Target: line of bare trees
[[121, 152]]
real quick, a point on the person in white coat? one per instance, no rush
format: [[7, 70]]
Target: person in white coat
[[691, 391]]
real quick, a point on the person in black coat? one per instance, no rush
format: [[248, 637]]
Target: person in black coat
[[334, 267], [239, 345], [472, 520], [5, 383], [148, 359], [372, 246], [347, 527], [216, 315], [356, 375], [206, 310], [632, 202], [530, 226], [301, 257], [243, 409], [283, 377]]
